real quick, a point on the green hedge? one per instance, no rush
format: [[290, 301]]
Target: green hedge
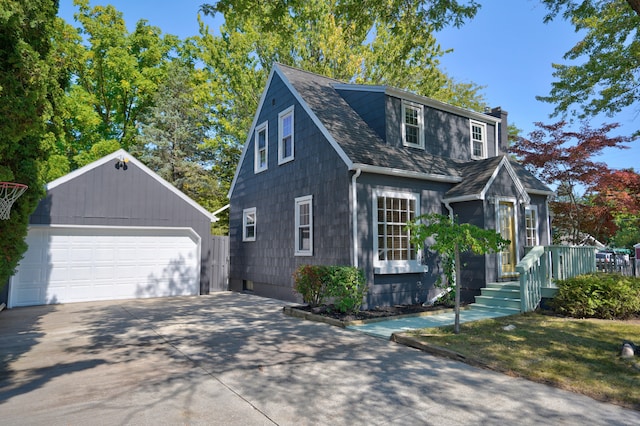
[[598, 295], [344, 285]]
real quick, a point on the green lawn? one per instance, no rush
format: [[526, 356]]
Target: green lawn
[[582, 356]]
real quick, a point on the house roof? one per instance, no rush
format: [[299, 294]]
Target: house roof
[[360, 147], [357, 140], [120, 155]]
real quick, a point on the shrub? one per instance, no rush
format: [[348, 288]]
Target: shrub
[[347, 287], [311, 283], [598, 295]]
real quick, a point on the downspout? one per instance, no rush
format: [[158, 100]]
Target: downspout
[[354, 215], [450, 209]]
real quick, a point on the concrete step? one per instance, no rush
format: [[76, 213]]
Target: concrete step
[[499, 311], [508, 293], [511, 285], [498, 302]]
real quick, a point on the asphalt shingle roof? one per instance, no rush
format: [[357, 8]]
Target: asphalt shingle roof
[[363, 145]]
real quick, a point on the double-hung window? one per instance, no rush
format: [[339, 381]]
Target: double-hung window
[[304, 226], [531, 225], [412, 125], [478, 140], [285, 136], [393, 250], [249, 224], [261, 142]]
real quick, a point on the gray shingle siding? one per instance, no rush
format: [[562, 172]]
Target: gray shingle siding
[[316, 170], [370, 106]]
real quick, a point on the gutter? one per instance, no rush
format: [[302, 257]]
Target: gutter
[[354, 213], [367, 168]]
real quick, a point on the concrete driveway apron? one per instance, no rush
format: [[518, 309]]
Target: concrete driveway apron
[[235, 359]]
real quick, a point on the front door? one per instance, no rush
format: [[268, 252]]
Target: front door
[[506, 221]]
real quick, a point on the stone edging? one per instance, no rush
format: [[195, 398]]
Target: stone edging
[[299, 313]]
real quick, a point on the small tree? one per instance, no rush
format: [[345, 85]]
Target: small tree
[[450, 239]]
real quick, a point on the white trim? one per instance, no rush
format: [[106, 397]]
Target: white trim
[[281, 116], [122, 154], [299, 201], [354, 216], [420, 110], [532, 208], [403, 94], [264, 126], [496, 142], [394, 266], [485, 142], [405, 173], [245, 217]]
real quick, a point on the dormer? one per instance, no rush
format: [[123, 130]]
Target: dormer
[[417, 123]]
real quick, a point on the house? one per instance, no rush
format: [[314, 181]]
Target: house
[[114, 229], [331, 172]]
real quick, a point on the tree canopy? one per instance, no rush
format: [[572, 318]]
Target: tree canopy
[[566, 159], [603, 77]]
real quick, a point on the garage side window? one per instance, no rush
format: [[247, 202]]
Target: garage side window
[[304, 226], [249, 224]]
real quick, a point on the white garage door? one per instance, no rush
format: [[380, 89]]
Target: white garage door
[[66, 264]]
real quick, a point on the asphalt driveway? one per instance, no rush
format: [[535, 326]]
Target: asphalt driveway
[[232, 358]]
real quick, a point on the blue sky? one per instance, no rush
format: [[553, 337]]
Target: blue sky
[[506, 48]]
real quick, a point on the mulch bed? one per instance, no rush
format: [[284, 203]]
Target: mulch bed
[[330, 311]]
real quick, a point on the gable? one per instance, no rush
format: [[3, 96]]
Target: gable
[[495, 176], [98, 193]]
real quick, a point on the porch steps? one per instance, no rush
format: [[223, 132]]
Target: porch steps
[[503, 297]]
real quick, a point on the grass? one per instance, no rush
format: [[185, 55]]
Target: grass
[[581, 356]]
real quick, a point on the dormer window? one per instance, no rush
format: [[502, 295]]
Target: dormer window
[[478, 140], [412, 125]]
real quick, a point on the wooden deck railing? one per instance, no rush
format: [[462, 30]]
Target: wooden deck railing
[[544, 264]]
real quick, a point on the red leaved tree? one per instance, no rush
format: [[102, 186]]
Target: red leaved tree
[[565, 159]]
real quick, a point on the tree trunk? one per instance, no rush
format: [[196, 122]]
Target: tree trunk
[[456, 327]]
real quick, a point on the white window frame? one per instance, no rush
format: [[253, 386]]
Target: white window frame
[[300, 201], [420, 125], [395, 266], [483, 141], [535, 238], [246, 213], [281, 117], [264, 127]]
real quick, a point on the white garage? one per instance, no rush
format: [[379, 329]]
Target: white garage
[[67, 264]]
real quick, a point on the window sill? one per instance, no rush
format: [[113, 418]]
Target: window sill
[[400, 269]]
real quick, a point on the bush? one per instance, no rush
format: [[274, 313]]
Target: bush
[[347, 287], [598, 295], [311, 282], [344, 285]]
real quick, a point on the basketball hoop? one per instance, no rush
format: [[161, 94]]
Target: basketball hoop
[[9, 192]]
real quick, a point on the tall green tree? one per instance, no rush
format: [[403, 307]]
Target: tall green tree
[[114, 75], [449, 239], [173, 138], [606, 69], [29, 88]]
